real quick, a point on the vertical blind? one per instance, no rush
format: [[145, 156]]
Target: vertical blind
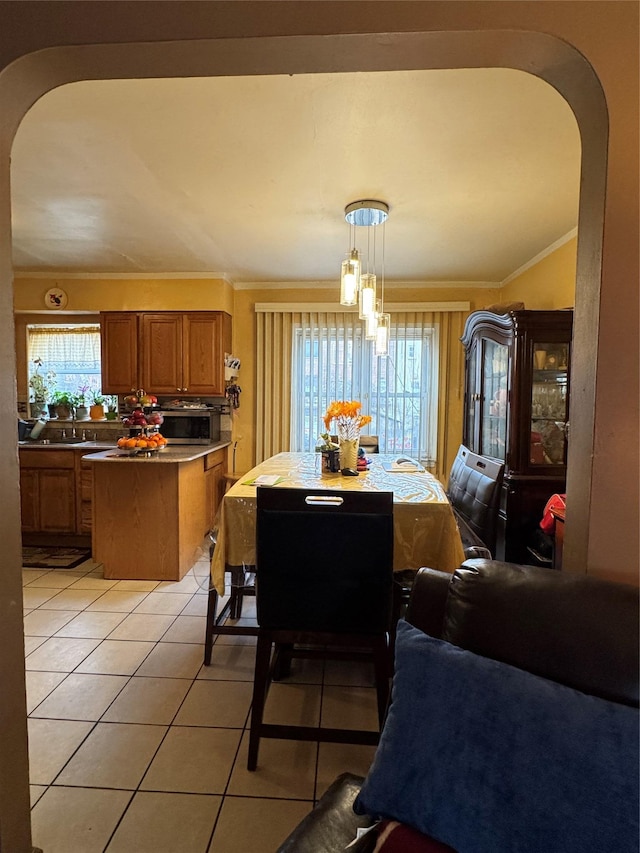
[[307, 358]]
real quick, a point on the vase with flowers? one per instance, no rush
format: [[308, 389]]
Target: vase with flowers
[[349, 422]]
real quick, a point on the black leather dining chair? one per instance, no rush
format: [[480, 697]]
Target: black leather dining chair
[[242, 582], [473, 491], [324, 564]]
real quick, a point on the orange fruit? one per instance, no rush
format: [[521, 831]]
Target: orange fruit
[[130, 443]]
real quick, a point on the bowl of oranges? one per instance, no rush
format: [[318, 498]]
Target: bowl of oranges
[[143, 444]]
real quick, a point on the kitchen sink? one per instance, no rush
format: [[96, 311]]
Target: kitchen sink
[[46, 441]]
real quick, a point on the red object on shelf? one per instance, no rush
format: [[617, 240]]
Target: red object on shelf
[[555, 502]]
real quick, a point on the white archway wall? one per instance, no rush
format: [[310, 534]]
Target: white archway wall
[[603, 529]]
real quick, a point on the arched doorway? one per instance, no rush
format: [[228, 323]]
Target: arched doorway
[[549, 58]]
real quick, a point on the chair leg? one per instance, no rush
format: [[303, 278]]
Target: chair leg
[[260, 686], [282, 662], [236, 597], [212, 606], [382, 666]]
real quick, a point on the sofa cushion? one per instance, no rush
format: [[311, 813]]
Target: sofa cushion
[[483, 756]]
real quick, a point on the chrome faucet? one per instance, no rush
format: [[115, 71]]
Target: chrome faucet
[[73, 422]]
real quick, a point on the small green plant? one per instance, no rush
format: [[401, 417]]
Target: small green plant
[[63, 398], [112, 402], [98, 398], [325, 443]]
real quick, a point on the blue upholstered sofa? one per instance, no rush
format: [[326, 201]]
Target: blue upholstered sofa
[[513, 725]]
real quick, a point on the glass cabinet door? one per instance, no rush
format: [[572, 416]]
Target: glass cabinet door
[[494, 399], [471, 421], [549, 404]]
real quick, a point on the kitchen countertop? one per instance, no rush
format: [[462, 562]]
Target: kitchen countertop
[[172, 453]]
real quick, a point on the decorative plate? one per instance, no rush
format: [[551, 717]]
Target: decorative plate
[[55, 298]]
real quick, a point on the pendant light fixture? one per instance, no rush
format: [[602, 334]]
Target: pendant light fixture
[[371, 323], [350, 278], [357, 286]]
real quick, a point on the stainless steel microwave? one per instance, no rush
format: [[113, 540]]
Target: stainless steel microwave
[[190, 426]]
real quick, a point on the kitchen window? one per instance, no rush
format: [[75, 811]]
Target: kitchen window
[[331, 360], [70, 351]]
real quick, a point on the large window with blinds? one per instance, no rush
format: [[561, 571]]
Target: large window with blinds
[[331, 360]]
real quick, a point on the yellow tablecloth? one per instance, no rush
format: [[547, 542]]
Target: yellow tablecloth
[[425, 531]]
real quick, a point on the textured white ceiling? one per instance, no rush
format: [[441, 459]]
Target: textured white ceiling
[[249, 176]]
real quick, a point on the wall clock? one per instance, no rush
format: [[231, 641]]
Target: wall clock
[[55, 298]]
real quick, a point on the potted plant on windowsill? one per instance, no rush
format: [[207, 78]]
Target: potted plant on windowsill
[[64, 403], [82, 412], [41, 387], [112, 407], [96, 411]]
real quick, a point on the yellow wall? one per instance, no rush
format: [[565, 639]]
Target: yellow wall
[[549, 284], [125, 294]]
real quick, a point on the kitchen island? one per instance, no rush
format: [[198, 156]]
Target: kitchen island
[[152, 512]]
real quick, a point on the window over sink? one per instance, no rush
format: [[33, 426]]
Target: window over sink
[[70, 351]]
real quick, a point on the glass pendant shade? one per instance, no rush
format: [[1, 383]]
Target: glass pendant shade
[[350, 279], [367, 295], [371, 323], [381, 346]]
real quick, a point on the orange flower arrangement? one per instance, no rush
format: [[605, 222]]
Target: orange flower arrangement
[[347, 415]]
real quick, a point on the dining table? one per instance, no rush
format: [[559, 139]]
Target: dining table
[[425, 529]]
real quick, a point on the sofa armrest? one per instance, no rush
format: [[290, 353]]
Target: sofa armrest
[[426, 608], [332, 824]]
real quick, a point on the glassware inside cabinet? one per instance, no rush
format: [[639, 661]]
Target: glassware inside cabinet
[[494, 399], [549, 400]]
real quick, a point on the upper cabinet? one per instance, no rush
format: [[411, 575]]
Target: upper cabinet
[[119, 352], [516, 410], [176, 353]]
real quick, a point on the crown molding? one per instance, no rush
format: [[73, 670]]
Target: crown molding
[[540, 256]]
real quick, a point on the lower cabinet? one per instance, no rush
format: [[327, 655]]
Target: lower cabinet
[[84, 494], [55, 492], [214, 467]]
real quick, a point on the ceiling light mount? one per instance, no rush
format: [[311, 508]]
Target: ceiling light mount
[[366, 212]]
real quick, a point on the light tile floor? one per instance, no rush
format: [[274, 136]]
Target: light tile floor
[[136, 747]]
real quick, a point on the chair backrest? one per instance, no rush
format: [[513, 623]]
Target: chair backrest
[[474, 486], [572, 628], [370, 443], [324, 560]]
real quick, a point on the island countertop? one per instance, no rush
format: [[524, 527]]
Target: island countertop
[[170, 453]]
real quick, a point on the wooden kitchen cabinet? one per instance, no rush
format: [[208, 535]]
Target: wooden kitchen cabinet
[[517, 410], [84, 493], [214, 469], [119, 352], [183, 353], [56, 491], [48, 491], [165, 352]]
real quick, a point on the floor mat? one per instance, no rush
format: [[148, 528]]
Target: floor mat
[[54, 557]]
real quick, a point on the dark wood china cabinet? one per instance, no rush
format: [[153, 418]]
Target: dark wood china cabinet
[[516, 410]]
